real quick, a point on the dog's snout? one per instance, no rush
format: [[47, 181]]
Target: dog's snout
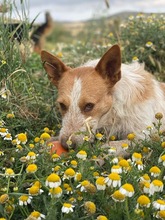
[[66, 143]]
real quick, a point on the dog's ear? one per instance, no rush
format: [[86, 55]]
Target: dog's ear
[[109, 67], [53, 66]]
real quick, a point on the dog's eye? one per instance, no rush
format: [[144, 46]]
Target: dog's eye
[[63, 106], [88, 107]]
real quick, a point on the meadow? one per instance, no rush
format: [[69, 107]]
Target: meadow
[[91, 182]]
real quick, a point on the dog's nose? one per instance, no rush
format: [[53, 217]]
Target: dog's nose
[[65, 144]]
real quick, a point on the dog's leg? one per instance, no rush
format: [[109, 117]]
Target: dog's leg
[[119, 150]]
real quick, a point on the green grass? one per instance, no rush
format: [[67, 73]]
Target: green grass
[[30, 115]]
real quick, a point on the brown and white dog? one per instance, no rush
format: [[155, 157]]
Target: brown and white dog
[[105, 94]]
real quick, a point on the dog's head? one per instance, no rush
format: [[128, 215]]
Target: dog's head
[[84, 93]]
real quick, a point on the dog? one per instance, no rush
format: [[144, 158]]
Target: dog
[[105, 94], [40, 33]]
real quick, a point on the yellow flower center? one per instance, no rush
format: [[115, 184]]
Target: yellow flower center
[[162, 213], [35, 214], [123, 163], [160, 201], [9, 172], [67, 205], [23, 198], [33, 190], [128, 187], [157, 183], [53, 178], [143, 200], [114, 176], [22, 137], [70, 172], [90, 207], [155, 169], [45, 136], [100, 181], [4, 198], [31, 168], [56, 190], [118, 195]]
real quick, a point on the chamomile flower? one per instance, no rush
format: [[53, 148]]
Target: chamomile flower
[[124, 164], [159, 204], [21, 138], [31, 168], [131, 136], [83, 185], [156, 186], [117, 196], [160, 214], [149, 44], [146, 187], [55, 157], [135, 59], [101, 217], [35, 190], [162, 159], [78, 176], [10, 115], [25, 200], [99, 136], [145, 178], [55, 192], [74, 163], [53, 181], [90, 207], [45, 136], [67, 208], [9, 172], [143, 201], [127, 189], [125, 146], [112, 150], [155, 171], [3, 132], [116, 169], [4, 198], [82, 155], [69, 173], [100, 183], [139, 165], [113, 180], [31, 156], [36, 215], [136, 157], [8, 137]]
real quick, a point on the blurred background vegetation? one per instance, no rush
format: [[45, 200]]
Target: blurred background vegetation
[[24, 87]]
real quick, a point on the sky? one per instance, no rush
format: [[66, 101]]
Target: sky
[[81, 10]]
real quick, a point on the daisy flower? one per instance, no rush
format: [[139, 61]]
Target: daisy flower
[[45, 136], [24, 200], [116, 169], [162, 159], [82, 155], [146, 187], [9, 172], [36, 215], [4, 198], [31, 168], [113, 180], [83, 185], [101, 217], [69, 173], [8, 137], [90, 207], [55, 192], [156, 186], [3, 132], [127, 189], [31, 156], [78, 177], [159, 204], [143, 201], [160, 214], [21, 138], [53, 181], [155, 171], [149, 44], [117, 196], [100, 183], [67, 208], [99, 136], [55, 157], [35, 190], [136, 157]]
